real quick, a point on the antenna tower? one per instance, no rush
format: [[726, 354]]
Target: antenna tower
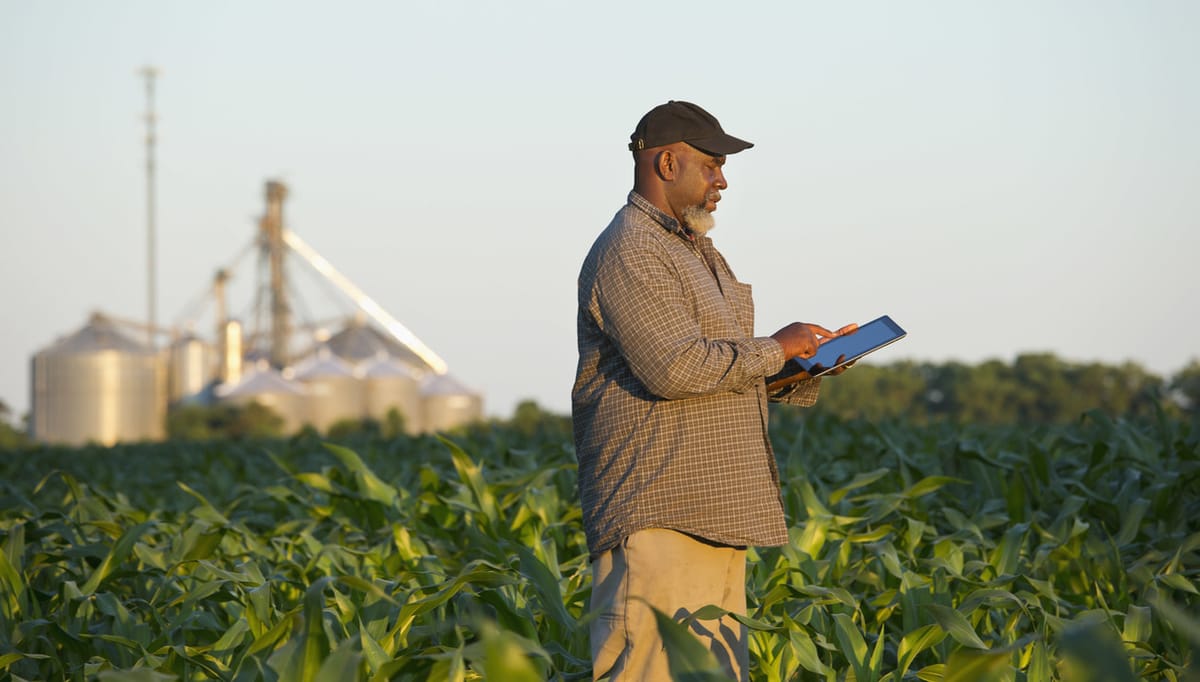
[[150, 73]]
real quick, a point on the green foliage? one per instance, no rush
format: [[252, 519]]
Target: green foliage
[[688, 660], [223, 421], [532, 421], [1186, 384], [10, 437], [344, 428], [393, 424], [1005, 540], [1036, 388], [934, 552]]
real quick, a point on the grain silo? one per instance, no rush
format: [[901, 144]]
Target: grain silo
[[448, 404], [266, 386], [98, 385], [191, 368], [335, 392], [390, 384]]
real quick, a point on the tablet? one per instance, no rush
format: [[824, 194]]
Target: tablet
[[869, 338]]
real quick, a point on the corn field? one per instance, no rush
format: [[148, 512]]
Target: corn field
[[917, 553]]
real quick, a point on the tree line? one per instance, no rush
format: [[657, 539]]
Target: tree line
[[1037, 388], [1034, 388]]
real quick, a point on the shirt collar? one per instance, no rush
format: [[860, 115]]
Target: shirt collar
[[669, 223]]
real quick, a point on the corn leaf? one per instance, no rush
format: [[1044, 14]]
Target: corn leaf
[[956, 626], [687, 658], [369, 485], [116, 556], [966, 665]]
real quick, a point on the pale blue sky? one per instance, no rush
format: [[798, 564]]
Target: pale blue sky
[[999, 177]]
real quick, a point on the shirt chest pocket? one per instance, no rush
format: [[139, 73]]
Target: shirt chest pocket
[[720, 313], [741, 299]]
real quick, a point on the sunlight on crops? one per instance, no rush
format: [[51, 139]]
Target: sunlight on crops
[[930, 552]]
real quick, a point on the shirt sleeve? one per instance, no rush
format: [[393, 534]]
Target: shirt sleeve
[[640, 304], [803, 393]]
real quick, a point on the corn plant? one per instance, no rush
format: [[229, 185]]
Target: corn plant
[[930, 552]]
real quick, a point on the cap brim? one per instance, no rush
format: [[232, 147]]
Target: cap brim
[[720, 145]]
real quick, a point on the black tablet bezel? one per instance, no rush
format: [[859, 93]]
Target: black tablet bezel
[[846, 345]]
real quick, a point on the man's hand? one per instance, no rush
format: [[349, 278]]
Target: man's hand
[[803, 339]]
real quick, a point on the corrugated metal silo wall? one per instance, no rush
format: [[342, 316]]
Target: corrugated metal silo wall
[[104, 396], [191, 365], [401, 392], [446, 411], [334, 398]]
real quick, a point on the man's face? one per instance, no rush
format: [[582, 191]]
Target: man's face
[[697, 186]]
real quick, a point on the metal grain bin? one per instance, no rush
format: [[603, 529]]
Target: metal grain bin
[[388, 384], [335, 392], [230, 354], [191, 368], [266, 386], [448, 404], [97, 385]]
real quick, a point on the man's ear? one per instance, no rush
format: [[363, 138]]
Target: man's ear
[[665, 164]]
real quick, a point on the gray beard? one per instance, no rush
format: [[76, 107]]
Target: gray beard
[[698, 220]]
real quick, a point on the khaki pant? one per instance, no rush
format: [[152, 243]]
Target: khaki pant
[[678, 574]]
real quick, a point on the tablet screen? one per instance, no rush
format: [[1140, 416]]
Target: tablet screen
[[870, 337]]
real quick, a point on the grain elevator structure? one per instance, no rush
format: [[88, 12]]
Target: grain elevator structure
[[102, 384]]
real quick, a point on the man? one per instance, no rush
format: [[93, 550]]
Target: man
[[676, 472]]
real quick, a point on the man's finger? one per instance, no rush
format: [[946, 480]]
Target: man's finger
[[818, 329]]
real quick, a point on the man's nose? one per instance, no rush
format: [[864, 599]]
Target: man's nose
[[720, 183]]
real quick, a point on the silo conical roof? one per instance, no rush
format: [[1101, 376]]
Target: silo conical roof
[[323, 364], [444, 384], [99, 334], [384, 366], [358, 341], [258, 381]]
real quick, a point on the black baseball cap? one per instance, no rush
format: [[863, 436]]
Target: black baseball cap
[[678, 121]]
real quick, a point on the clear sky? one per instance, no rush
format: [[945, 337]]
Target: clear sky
[[999, 177]]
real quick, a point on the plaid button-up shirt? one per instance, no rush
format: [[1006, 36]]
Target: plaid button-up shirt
[[670, 403]]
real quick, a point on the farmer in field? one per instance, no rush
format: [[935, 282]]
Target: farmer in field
[[676, 473]]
